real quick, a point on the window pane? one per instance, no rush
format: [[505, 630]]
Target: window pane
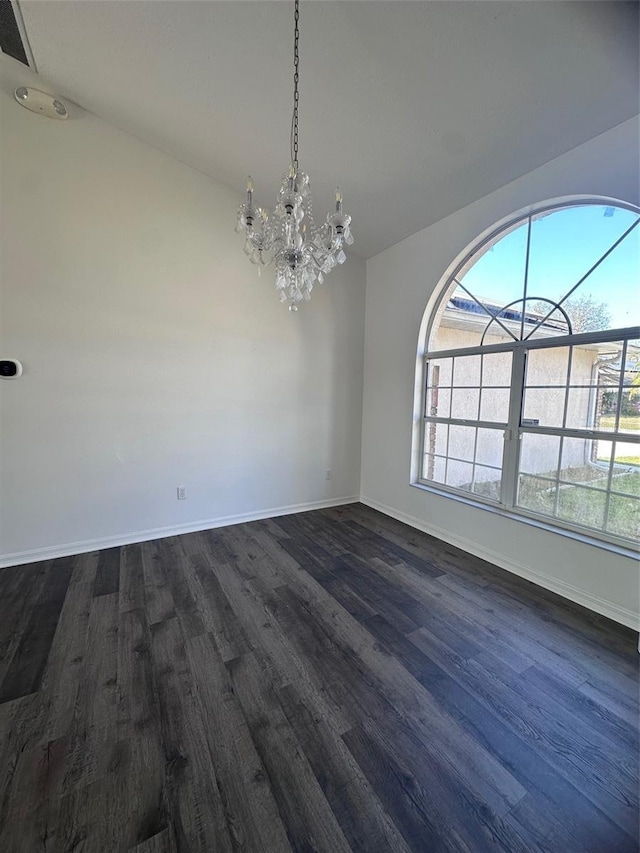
[[624, 516], [487, 482], [438, 402], [626, 468], [435, 437], [461, 322], [495, 277], [440, 371], [536, 494], [544, 406], [434, 468], [496, 368], [578, 464], [494, 404], [466, 370], [630, 410], [544, 320], [548, 366], [489, 447], [464, 403], [581, 409], [459, 474], [462, 442], [539, 454], [603, 299], [626, 480], [582, 506], [601, 452], [605, 398], [566, 243]]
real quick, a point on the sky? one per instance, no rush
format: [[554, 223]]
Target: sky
[[564, 246]]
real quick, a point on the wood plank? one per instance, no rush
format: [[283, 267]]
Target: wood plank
[[158, 599], [92, 729], [432, 809], [32, 812], [28, 663], [215, 612], [462, 605], [190, 778], [272, 633], [18, 719], [309, 821], [132, 582], [611, 700], [378, 593], [250, 808], [137, 758], [410, 698], [66, 663], [247, 554], [596, 719], [107, 572], [543, 635], [38, 764], [20, 592], [187, 607], [362, 817], [570, 824], [162, 842], [474, 690], [310, 531]]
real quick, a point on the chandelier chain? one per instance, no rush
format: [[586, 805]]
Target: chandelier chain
[[296, 96]]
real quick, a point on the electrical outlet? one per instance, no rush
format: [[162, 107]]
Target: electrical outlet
[[328, 474], [182, 493]]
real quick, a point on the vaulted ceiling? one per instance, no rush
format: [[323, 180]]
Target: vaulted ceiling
[[416, 108]]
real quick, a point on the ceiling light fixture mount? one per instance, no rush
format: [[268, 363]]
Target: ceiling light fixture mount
[[41, 103], [288, 237]]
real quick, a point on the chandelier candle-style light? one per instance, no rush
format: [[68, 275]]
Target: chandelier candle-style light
[[302, 251]]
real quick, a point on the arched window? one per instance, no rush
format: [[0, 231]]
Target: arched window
[[531, 391]]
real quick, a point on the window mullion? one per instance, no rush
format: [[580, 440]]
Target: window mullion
[[616, 435], [526, 280], [623, 364], [511, 453]]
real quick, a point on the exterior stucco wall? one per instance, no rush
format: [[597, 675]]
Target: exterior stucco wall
[[548, 368]]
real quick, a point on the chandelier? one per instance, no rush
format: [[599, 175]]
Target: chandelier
[[288, 237]]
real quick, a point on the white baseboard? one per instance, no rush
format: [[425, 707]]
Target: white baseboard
[[613, 611], [600, 605], [71, 548]]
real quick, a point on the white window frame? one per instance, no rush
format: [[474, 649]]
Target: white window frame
[[513, 429]]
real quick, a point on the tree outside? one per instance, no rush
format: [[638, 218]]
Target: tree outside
[[585, 313]]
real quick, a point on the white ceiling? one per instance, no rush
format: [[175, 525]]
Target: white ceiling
[[415, 108]]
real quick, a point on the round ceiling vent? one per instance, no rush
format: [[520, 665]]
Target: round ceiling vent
[[41, 103]]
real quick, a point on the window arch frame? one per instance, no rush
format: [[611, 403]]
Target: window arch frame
[[513, 427]]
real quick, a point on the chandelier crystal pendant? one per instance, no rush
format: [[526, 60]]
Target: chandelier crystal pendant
[[288, 237]]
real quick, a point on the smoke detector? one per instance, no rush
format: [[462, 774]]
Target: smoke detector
[[41, 103]]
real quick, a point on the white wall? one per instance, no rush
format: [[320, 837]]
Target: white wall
[[153, 354], [400, 281]]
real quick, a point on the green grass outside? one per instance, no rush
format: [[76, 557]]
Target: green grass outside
[[627, 423], [630, 423], [586, 506]]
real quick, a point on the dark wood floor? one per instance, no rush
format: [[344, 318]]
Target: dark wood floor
[[329, 681]]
